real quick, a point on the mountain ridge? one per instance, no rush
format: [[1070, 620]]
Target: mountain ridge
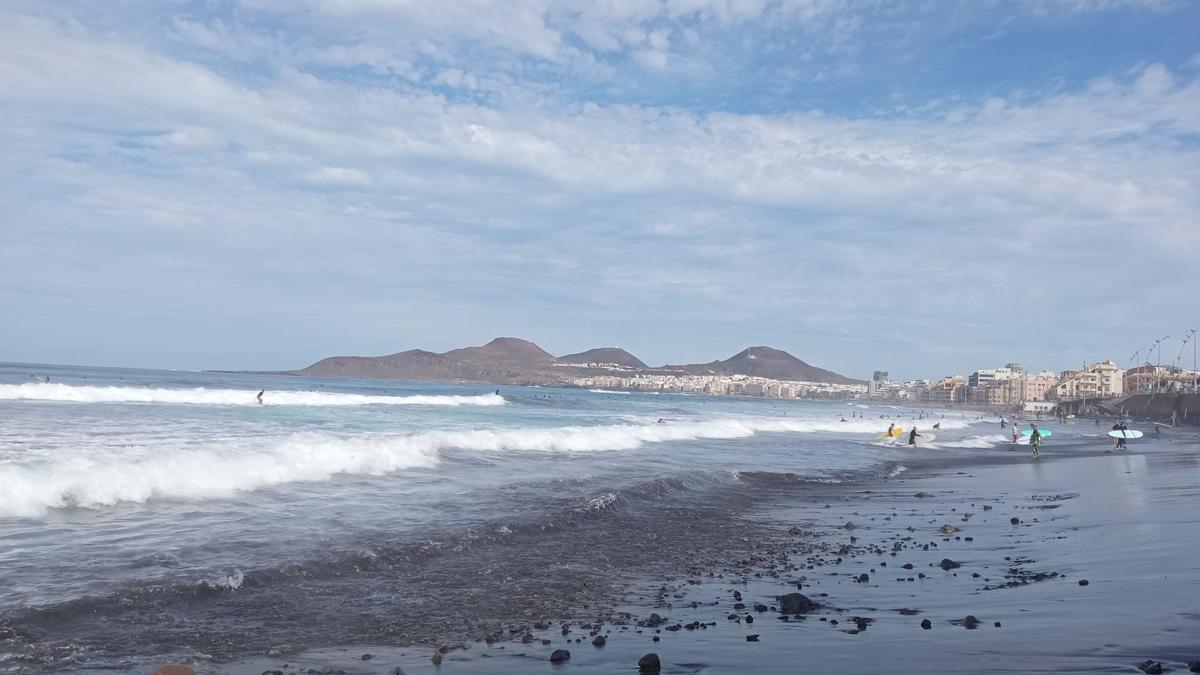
[[509, 360]]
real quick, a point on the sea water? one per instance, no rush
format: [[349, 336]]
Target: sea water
[[139, 494]]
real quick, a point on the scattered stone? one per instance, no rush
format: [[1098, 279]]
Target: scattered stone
[[760, 608], [986, 507], [739, 605], [795, 603], [970, 622], [922, 495], [649, 664], [997, 624], [795, 531], [1015, 520], [1083, 582], [863, 578], [599, 641], [1194, 667], [367, 657], [752, 638], [560, 656], [907, 566], [1150, 667], [948, 564], [436, 658], [926, 624], [850, 525], [947, 529], [397, 671]]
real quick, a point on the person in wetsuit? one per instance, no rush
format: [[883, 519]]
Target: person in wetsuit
[[913, 436]]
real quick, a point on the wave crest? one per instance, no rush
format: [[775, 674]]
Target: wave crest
[[41, 391]]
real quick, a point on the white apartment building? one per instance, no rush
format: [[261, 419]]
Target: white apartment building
[[1099, 380]]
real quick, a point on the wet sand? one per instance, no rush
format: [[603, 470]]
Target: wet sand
[[1123, 522]]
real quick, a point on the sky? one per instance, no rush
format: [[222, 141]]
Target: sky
[[923, 187]]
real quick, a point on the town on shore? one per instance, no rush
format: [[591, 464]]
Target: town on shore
[[770, 373]]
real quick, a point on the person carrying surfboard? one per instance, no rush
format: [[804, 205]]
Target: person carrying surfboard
[[891, 428], [1035, 441]]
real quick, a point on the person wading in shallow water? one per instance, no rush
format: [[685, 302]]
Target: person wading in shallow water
[[1035, 441], [913, 436], [259, 397]]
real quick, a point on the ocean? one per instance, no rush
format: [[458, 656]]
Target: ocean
[[146, 514]]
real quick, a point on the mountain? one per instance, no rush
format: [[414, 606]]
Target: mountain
[[606, 355], [503, 360], [766, 362], [504, 350], [508, 360]]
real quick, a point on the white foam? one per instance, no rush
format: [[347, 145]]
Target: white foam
[[90, 478], [609, 391], [95, 480], [39, 391], [986, 441]]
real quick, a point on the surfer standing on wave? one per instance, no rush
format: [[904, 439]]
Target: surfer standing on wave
[[259, 397]]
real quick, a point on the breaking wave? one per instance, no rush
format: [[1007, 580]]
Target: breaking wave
[[92, 481], [38, 391], [986, 441]]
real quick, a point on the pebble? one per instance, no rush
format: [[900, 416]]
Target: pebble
[[560, 656], [926, 624], [1083, 582], [752, 638], [649, 664], [1150, 667], [1015, 520], [948, 564], [599, 641]]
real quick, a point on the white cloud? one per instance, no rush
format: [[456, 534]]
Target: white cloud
[[825, 216]]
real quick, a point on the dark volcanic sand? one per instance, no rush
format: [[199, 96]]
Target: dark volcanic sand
[[1124, 522]]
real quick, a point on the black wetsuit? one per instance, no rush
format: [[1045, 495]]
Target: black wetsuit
[[912, 437]]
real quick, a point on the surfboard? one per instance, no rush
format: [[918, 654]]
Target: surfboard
[[1046, 433], [883, 435], [1128, 433]]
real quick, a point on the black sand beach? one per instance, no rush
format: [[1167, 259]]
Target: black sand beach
[[1097, 573]]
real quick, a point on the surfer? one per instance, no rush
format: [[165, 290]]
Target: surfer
[[937, 425], [1118, 441], [913, 436], [1035, 441], [891, 430], [260, 395], [1002, 422]]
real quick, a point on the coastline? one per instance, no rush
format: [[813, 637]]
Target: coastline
[[1119, 521]]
